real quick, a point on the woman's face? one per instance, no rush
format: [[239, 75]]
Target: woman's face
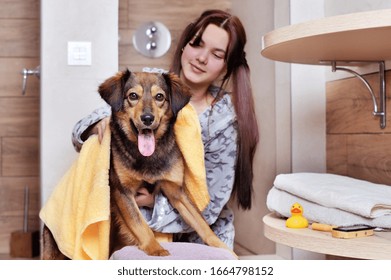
[[203, 64]]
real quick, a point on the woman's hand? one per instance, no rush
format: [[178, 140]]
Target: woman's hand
[[96, 129], [144, 198]]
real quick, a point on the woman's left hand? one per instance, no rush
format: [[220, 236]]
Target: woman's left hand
[[144, 198]]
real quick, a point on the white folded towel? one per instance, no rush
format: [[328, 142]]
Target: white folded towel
[[280, 202], [335, 191]]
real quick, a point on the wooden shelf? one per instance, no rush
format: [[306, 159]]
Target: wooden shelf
[[352, 37], [376, 247], [346, 39]]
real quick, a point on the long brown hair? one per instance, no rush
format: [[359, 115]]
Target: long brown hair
[[238, 71]]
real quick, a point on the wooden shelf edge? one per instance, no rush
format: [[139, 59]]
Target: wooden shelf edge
[[373, 247], [350, 37]]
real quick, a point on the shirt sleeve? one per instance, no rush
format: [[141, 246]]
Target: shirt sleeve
[[86, 122], [220, 159]]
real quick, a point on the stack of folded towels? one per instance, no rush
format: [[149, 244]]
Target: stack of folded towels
[[332, 199]]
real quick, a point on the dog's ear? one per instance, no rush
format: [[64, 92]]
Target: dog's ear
[[179, 94], [112, 90]]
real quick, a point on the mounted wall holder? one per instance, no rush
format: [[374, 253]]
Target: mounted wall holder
[[28, 72], [379, 109]]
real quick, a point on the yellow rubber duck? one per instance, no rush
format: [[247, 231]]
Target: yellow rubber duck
[[297, 220]]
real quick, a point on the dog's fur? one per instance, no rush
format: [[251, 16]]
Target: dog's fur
[[143, 105]]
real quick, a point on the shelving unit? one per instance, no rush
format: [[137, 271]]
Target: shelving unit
[[345, 40], [338, 42]]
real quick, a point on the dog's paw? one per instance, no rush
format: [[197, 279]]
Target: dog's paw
[[161, 253], [214, 241], [155, 250]]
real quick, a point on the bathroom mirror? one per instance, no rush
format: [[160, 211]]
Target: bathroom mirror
[[152, 39]]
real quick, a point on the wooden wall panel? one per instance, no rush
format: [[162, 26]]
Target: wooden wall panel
[[26, 9], [174, 14], [19, 37], [11, 77], [349, 107], [12, 195], [20, 156], [336, 155], [369, 157], [356, 145], [19, 116]]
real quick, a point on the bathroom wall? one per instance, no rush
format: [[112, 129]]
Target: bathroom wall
[[69, 92], [19, 116], [308, 101]]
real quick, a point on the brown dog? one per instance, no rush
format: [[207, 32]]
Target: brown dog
[[144, 153]]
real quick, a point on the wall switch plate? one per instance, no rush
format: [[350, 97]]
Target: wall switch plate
[[79, 53]]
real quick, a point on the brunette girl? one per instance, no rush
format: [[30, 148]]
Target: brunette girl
[[211, 60]]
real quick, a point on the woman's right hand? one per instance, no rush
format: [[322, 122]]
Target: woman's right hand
[[96, 129]]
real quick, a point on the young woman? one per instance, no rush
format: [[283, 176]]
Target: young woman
[[211, 60]]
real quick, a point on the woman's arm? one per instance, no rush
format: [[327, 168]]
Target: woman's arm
[[88, 125], [220, 159]]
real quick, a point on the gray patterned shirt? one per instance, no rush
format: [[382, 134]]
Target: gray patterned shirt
[[219, 135]]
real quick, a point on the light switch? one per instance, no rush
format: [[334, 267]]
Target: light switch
[[79, 53]]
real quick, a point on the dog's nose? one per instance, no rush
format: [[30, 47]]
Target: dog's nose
[[147, 119]]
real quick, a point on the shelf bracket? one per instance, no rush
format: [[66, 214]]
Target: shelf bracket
[[378, 109]]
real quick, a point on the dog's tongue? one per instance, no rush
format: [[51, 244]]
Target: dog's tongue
[[146, 144]]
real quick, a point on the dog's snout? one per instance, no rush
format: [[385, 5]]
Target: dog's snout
[[147, 118]]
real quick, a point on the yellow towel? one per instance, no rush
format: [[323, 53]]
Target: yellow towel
[[78, 210], [188, 136]]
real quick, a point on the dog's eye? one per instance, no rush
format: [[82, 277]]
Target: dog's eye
[[133, 96], [159, 97]]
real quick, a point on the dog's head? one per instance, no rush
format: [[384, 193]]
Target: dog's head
[[144, 104]]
